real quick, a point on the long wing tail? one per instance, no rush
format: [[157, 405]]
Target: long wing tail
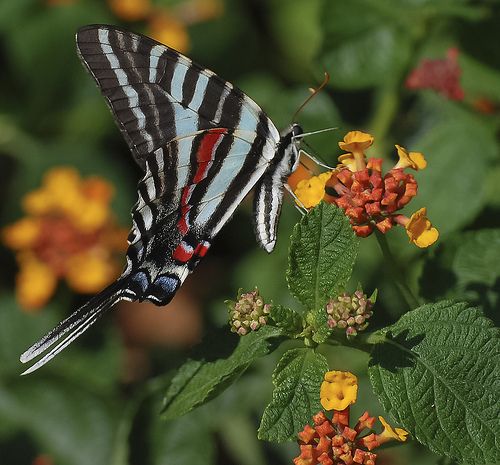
[[75, 325]]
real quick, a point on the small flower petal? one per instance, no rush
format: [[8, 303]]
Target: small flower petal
[[391, 433], [414, 160], [22, 234], [356, 141], [420, 230], [311, 191], [338, 390]]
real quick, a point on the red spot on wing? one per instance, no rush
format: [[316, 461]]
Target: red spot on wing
[[202, 249], [183, 252]]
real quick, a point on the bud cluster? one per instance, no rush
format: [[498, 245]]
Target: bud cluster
[[350, 312], [248, 313]]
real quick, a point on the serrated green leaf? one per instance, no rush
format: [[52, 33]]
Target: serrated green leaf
[[198, 381], [322, 253], [297, 378], [437, 375], [290, 321]]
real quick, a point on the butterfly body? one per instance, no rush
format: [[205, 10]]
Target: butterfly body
[[202, 144]]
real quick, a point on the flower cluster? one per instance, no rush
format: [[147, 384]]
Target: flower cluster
[[350, 312], [248, 313], [69, 233], [369, 198], [333, 441], [168, 25], [441, 75]]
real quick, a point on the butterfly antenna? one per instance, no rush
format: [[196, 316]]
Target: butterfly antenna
[[314, 92]]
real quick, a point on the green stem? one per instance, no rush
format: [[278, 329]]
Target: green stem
[[397, 273]]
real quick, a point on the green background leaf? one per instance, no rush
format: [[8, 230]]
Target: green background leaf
[[438, 376]]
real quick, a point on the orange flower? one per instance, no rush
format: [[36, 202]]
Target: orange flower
[[131, 10], [69, 234], [169, 30]]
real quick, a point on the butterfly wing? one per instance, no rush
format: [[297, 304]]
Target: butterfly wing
[[202, 143]]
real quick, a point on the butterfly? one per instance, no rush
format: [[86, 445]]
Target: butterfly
[[202, 145]]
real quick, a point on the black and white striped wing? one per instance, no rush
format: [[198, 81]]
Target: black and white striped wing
[[157, 94]]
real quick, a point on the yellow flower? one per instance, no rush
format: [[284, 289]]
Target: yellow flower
[[130, 10], [353, 161], [414, 160], [69, 233], [356, 141], [389, 433], [35, 282], [311, 191], [169, 30], [420, 230], [338, 390]]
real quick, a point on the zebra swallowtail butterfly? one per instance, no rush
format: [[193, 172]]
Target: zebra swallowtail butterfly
[[202, 144]]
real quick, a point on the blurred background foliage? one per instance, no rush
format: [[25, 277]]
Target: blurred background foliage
[[99, 402]]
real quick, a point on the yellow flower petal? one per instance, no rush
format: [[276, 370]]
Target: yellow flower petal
[[35, 283], [356, 141], [91, 216], [338, 390], [22, 234], [96, 188], [311, 191], [414, 160], [88, 272], [420, 230], [38, 202], [390, 433]]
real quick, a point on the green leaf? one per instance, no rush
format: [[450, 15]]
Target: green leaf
[[185, 441], [297, 378], [198, 381], [75, 427], [437, 375], [365, 41], [322, 254], [290, 321], [466, 266], [448, 145]]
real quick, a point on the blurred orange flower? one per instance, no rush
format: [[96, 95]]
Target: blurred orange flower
[[168, 25], [69, 233]]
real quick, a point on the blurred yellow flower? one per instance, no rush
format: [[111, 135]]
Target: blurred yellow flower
[[338, 390], [169, 30], [69, 233], [130, 10]]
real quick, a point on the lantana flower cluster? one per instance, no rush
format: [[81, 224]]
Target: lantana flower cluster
[[68, 233], [440, 75], [350, 312], [248, 313], [369, 198], [332, 441]]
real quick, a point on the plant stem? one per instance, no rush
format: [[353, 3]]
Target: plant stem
[[397, 273]]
